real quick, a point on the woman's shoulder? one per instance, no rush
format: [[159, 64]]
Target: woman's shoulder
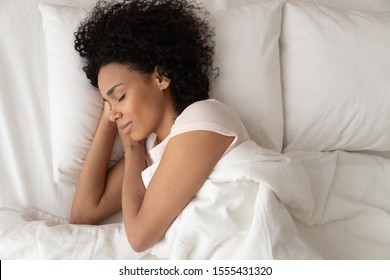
[[209, 110], [211, 115], [207, 115], [207, 104]]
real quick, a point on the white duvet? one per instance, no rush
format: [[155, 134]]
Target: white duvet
[[239, 213]]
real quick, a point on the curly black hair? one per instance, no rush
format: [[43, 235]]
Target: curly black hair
[[172, 36]]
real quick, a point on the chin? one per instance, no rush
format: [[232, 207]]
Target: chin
[[137, 137]]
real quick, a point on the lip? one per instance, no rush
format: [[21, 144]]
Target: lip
[[126, 127]]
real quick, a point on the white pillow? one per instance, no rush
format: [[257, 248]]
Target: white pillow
[[75, 105], [335, 77], [247, 55], [363, 5]]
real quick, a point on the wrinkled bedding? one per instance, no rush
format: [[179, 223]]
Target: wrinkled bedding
[[351, 191], [239, 213], [350, 219], [33, 234]]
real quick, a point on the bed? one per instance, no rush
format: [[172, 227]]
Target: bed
[[314, 93]]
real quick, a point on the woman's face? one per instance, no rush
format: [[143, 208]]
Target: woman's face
[[140, 103]]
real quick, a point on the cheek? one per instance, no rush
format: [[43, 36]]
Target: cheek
[[135, 109], [144, 104]]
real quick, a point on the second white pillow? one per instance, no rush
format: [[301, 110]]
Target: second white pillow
[[247, 55], [335, 69]]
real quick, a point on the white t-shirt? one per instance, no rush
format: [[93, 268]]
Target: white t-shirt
[[210, 115]]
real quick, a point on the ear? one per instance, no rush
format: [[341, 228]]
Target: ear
[[162, 81]]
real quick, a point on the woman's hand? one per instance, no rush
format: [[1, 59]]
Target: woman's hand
[[134, 151], [98, 192], [188, 160], [106, 110]]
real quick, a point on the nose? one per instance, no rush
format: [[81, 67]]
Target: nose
[[114, 115]]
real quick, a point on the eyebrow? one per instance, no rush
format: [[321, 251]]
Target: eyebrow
[[111, 90]]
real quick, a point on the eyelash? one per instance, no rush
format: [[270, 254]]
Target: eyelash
[[122, 97]]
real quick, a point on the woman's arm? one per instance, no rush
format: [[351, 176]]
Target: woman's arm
[[188, 160], [98, 191]]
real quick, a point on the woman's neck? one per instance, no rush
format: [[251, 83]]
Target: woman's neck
[[167, 121]]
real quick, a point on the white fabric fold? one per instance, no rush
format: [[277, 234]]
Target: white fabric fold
[[241, 210], [239, 213], [32, 234]]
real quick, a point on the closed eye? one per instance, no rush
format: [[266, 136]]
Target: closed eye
[[122, 97]]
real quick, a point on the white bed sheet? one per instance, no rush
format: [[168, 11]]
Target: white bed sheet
[[350, 218], [351, 190], [27, 233], [25, 153], [240, 213]]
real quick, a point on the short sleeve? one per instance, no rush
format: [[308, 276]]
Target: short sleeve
[[208, 115]]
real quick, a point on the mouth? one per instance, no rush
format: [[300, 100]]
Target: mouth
[[125, 127]]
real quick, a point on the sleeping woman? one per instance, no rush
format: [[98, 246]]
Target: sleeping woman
[[151, 61]]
